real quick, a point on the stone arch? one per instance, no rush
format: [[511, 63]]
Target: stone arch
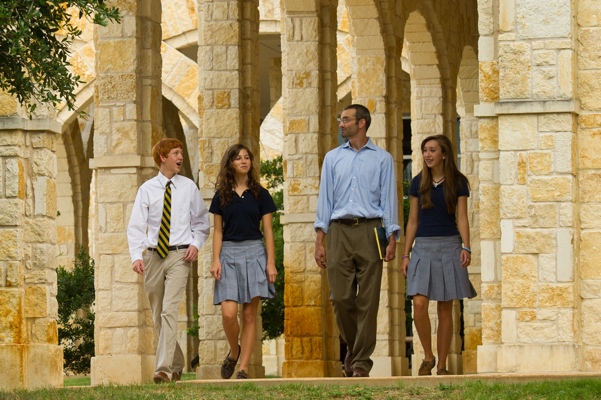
[[432, 59], [179, 21], [426, 90], [74, 177]]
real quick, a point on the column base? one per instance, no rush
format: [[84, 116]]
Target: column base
[[470, 361], [124, 369], [311, 369], [487, 358], [539, 358], [31, 366], [389, 366]]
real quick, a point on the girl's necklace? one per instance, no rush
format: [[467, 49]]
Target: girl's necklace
[[438, 182]]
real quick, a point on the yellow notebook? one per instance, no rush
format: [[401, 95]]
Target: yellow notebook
[[381, 241]]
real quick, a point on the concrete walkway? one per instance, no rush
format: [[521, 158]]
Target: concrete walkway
[[428, 381]]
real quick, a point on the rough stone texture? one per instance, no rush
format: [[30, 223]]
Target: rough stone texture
[[536, 20], [514, 70], [520, 291], [536, 357]]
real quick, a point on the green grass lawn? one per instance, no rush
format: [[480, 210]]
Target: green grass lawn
[[85, 380], [548, 390]]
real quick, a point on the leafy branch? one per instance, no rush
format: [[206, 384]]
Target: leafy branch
[[35, 45]]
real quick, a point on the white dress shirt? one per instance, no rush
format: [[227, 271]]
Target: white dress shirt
[[189, 215]]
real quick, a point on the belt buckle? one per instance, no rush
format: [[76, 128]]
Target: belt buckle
[[355, 221]]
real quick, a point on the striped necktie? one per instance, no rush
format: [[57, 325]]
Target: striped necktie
[[163, 243]]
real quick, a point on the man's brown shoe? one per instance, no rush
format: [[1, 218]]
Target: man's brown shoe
[[160, 377], [426, 367], [359, 372], [176, 376], [348, 359], [443, 371]]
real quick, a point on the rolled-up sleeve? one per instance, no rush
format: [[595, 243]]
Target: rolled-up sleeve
[[389, 198], [324, 201]]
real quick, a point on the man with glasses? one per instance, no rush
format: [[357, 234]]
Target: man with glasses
[[357, 193]]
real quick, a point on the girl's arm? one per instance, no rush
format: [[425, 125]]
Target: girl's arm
[[271, 271], [410, 231], [217, 241], [463, 225]]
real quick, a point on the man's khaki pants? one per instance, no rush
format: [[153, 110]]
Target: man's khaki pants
[[164, 282]]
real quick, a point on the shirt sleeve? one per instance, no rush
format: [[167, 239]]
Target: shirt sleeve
[[136, 229], [199, 219], [266, 203], [325, 202], [463, 189], [215, 207], [389, 199], [415, 183]]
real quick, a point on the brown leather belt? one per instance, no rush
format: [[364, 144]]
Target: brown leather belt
[[354, 221]]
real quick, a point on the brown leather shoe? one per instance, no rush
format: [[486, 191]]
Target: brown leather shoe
[[443, 371], [176, 376], [359, 372], [229, 364], [426, 367], [348, 359], [160, 377]]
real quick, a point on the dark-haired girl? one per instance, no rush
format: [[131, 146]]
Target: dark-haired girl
[[243, 266], [437, 269]]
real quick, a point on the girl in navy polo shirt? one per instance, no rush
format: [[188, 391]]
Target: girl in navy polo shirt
[[243, 267], [441, 254]]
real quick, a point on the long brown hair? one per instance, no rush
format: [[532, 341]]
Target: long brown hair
[[226, 181], [453, 178]]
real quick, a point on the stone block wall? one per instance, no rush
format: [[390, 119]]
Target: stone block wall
[[29, 352], [588, 161]]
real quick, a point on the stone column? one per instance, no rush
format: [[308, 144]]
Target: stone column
[[589, 181], [469, 165], [229, 108], [530, 307], [29, 350], [127, 119], [309, 89]]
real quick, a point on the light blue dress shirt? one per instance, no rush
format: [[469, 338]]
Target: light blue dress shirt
[[357, 184]]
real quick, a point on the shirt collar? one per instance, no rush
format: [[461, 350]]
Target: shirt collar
[[163, 179], [369, 145]]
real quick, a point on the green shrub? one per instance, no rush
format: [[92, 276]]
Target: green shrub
[[272, 310], [75, 297]]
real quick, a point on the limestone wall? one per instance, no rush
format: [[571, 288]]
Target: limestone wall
[[29, 353]]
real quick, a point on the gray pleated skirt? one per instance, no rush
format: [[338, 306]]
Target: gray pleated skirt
[[435, 269], [243, 275]]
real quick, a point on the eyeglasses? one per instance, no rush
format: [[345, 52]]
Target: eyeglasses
[[345, 120]]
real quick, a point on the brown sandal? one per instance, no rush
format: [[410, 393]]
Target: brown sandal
[[426, 367], [443, 371], [242, 374]]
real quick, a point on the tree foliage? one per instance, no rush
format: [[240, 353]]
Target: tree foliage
[[35, 41], [75, 297], [272, 311]]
